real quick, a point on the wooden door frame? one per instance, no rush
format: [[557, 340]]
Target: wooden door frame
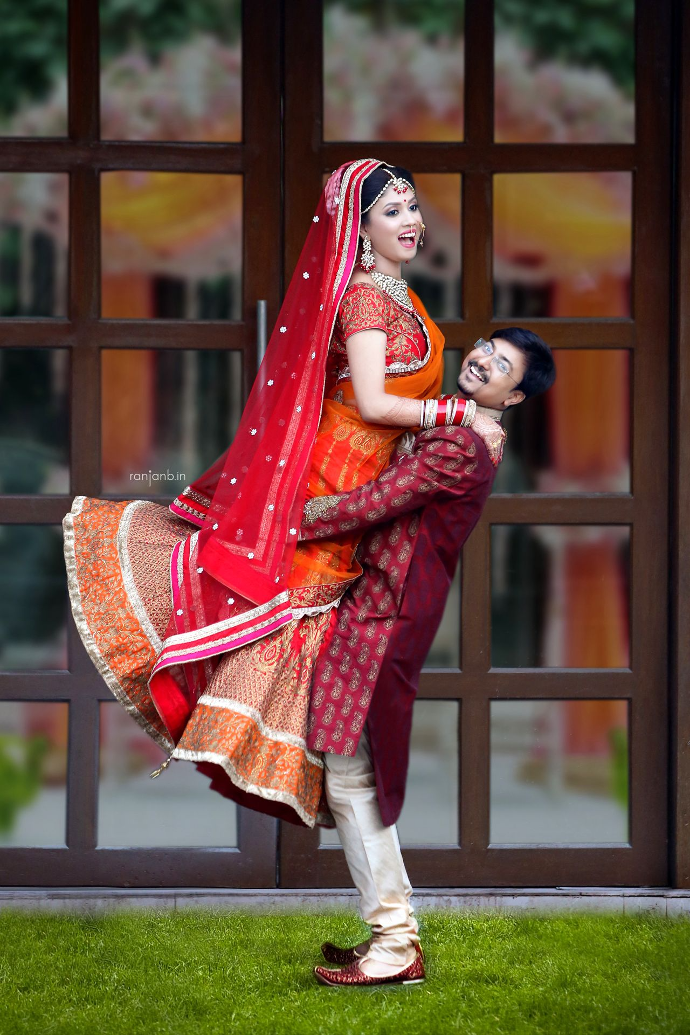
[[680, 528], [646, 335], [84, 156]]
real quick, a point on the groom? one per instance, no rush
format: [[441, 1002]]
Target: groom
[[423, 508]]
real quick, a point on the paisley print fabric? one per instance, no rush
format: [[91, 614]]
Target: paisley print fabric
[[346, 677]]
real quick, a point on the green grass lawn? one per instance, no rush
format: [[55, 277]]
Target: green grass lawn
[[202, 972]]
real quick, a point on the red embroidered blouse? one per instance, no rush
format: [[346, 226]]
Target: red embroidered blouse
[[364, 307]]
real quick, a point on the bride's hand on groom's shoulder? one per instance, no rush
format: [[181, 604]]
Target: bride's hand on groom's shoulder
[[490, 432]]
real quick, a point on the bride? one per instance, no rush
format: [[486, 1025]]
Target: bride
[[208, 637]]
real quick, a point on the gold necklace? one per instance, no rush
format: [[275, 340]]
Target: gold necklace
[[397, 289]]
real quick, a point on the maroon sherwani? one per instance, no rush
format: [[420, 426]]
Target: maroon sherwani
[[424, 508]]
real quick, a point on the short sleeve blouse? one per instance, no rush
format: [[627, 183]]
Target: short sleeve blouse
[[361, 309], [364, 307]]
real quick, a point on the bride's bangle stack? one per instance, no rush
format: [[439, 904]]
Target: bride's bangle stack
[[447, 410]]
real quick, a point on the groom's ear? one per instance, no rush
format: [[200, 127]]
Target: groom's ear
[[515, 397]]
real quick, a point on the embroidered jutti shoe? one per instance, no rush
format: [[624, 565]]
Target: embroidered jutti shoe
[[353, 975]]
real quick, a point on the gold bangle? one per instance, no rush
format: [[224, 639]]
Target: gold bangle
[[469, 414], [431, 413]]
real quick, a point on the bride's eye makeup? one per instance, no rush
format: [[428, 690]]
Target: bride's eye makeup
[[394, 211]]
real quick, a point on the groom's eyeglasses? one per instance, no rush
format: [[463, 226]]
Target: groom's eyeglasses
[[487, 347]]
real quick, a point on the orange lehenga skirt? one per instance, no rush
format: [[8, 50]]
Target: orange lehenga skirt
[[251, 720]]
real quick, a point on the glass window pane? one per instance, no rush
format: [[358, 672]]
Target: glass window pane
[[562, 244], [167, 414], [452, 361], [559, 772], [435, 271], [171, 245], [560, 596], [33, 773], [33, 58], [171, 72], [430, 812], [565, 73], [33, 598], [34, 221], [177, 808], [575, 437], [393, 71], [34, 429], [445, 650]]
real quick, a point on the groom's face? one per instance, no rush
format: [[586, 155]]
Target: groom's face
[[491, 372]]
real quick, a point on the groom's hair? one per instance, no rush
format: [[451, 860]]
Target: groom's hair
[[541, 369]]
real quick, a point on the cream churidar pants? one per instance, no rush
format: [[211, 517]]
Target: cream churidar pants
[[373, 855]]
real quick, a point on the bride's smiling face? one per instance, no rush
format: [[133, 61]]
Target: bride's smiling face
[[394, 225]]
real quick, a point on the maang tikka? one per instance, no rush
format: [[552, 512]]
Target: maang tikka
[[367, 261]]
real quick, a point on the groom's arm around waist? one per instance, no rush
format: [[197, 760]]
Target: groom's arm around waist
[[446, 463]]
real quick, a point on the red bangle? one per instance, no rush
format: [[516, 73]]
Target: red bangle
[[459, 411], [441, 412]]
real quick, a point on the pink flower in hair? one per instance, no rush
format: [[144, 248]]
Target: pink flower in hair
[[332, 191]]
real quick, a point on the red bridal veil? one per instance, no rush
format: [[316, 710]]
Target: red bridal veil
[[231, 589]]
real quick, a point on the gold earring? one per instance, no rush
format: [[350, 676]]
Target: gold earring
[[421, 236]]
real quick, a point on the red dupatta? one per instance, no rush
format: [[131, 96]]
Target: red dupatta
[[229, 579]]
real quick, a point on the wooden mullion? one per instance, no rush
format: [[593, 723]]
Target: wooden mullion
[[515, 684], [477, 184], [84, 245], [423, 157], [176, 334], [82, 772], [64, 156], [476, 601], [262, 241], [545, 865], [125, 333], [479, 75], [83, 61], [49, 685], [34, 510], [475, 757], [477, 255], [517, 866], [551, 509], [85, 418], [559, 333], [305, 159], [162, 867]]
